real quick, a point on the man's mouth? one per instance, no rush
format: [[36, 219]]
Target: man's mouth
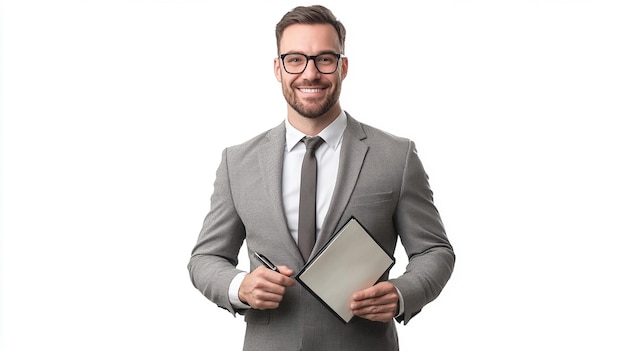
[[310, 90]]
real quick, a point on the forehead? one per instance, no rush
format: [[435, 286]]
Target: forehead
[[310, 38]]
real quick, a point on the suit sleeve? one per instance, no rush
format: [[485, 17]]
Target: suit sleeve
[[214, 258], [430, 254]]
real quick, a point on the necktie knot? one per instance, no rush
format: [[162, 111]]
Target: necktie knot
[[312, 142]]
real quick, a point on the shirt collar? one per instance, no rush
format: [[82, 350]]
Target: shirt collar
[[332, 134]]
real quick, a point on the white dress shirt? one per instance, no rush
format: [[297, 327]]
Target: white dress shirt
[[327, 155]]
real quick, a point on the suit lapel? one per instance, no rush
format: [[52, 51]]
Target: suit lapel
[[353, 152], [271, 156]]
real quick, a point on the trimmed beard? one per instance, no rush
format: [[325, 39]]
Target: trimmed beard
[[311, 111]]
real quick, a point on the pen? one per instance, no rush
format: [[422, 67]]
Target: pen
[[266, 262]]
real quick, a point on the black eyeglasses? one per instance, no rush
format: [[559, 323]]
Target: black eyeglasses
[[296, 63]]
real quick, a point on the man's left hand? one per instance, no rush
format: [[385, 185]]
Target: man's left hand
[[377, 303]]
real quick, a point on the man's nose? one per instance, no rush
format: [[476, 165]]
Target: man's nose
[[311, 70]]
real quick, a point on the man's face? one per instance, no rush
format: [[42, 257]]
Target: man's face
[[311, 94]]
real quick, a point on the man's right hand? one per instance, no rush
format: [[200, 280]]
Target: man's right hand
[[264, 288]]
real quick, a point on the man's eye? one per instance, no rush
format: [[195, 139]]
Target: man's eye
[[326, 60], [294, 59]]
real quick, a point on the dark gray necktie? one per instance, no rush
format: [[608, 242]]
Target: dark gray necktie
[[308, 191]]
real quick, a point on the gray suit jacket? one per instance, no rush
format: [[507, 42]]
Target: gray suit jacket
[[380, 181]]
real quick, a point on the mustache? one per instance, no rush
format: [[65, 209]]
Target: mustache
[[307, 82]]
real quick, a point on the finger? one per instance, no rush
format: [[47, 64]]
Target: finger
[[282, 277], [286, 271], [374, 309], [379, 301], [369, 304], [262, 295], [379, 313], [263, 300], [258, 286], [377, 317], [376, 291]]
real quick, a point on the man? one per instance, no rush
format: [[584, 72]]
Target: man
[[362, 172]]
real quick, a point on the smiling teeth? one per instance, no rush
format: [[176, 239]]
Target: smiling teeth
[[305, 90]]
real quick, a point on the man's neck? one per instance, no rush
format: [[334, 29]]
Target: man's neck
[[313, 126]]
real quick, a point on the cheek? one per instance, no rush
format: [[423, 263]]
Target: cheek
[[286, 80]]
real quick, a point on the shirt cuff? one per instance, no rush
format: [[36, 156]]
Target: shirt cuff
[[233, 292], [400, 304]]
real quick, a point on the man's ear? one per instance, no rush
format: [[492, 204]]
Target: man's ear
[[278, 70]]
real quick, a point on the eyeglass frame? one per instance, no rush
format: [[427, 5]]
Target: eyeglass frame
[[311, 57]]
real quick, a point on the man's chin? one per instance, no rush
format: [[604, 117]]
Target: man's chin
[[310, 112]]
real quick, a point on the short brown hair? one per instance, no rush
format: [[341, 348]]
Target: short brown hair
[[316, 14]]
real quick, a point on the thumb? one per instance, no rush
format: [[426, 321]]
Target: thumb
[[284, 270]]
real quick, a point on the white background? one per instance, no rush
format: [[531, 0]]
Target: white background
[[114, 115]]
